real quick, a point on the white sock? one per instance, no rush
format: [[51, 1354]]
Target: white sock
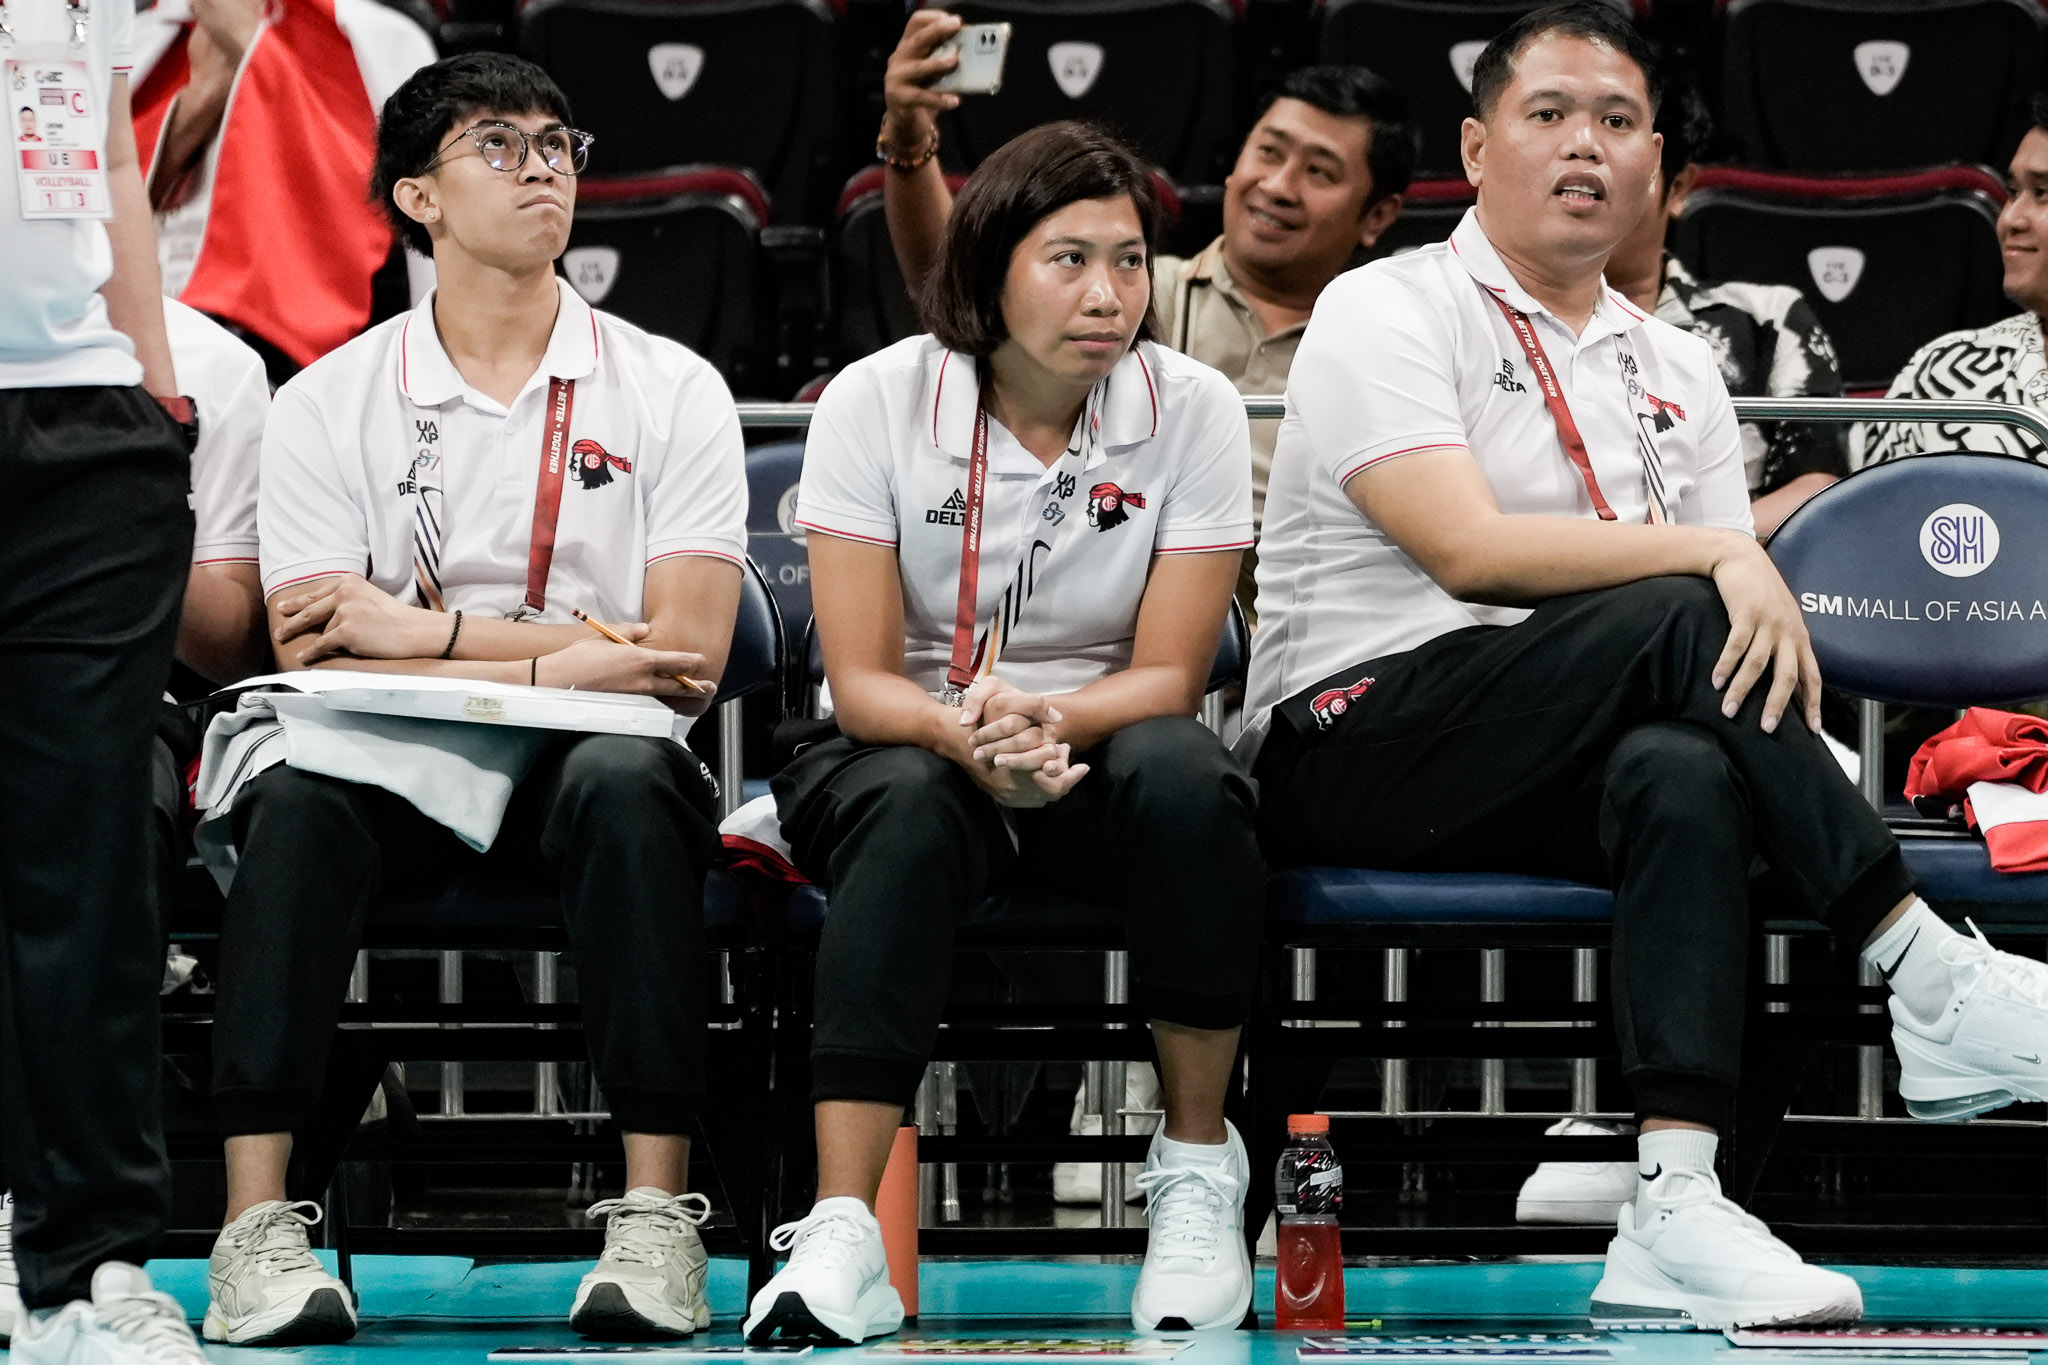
[[1669, 1162], [1173, 1152], [1909, 956]]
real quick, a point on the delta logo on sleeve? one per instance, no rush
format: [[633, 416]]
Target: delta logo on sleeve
[[594, 464], [1108, 506]]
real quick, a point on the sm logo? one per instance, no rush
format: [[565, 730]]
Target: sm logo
[[1959, 540]]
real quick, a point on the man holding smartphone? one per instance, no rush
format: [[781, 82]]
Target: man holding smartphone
[[1319, 178]]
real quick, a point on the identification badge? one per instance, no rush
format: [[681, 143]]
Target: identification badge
[[60, 155]]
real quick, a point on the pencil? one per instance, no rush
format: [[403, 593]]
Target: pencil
[[602, 629]]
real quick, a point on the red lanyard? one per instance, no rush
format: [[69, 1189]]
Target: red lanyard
[[960, 673], [1553, 398], [547, 494]]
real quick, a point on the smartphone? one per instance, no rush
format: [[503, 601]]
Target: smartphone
[[982, 49]]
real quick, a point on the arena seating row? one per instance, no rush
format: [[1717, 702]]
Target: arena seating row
[[789, 89], [1888, 262], [757, 1133]]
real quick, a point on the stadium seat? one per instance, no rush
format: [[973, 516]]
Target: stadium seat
[[1429, 212], [1877, 85], [1888, 262], [1893, 620], [772, 538], [1427, 47], [671, 83], [1166, 74], [679, 255], [871, 308]]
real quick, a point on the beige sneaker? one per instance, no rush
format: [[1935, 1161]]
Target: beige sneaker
[[650, 1281]]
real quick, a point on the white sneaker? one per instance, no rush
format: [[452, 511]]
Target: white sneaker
[[264, 1288], [1080, 1182], [1197, 1273], [1700, 1262], [650, 1281], [126, 1323], [1988, 1048], [1578, 1191], [835, 1290], [10, 1280]]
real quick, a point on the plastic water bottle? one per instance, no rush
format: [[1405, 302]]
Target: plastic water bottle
[[1308, 1191]]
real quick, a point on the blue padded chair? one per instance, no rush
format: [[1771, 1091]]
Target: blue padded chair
[[773, 472], [1925, 581]]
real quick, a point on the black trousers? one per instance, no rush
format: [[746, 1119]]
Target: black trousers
[[623, 825], [1588, 742], [95, 540], [906, 845]]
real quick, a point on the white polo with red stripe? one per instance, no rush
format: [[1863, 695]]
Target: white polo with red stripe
[[1066, 549], [1411, 354], [660, 469], [225, 380]]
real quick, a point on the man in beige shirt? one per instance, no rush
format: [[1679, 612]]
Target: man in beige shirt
[[1319, 179]]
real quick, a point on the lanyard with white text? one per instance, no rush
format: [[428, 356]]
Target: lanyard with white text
[[1567, 429], [547, 495], [960, 672]]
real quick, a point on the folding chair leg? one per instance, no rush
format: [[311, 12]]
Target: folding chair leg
[[323, 1137], [335, 1217], [1771, 1068]]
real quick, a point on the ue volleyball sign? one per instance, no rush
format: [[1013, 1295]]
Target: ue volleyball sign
[[1925, 580]]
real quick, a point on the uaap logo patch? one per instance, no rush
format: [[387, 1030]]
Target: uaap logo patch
[[594, 464], [1108, 506]]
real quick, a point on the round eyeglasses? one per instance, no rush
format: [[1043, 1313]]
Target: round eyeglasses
[[504, 147]]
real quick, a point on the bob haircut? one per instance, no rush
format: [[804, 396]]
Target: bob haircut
[[1034, 174]]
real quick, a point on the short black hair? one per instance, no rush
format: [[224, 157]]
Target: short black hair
[[1032, 175], [1392, 142], [2037, 110], [1591, 20], [1683, 119], [422, 113]]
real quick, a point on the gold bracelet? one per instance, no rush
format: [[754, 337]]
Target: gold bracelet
[[910, 163]]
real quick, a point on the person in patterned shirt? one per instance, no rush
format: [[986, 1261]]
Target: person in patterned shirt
[[2002, 363], [1766, 336]]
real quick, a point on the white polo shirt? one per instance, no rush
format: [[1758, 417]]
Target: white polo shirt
[[355, 435], [1410, 354], [1065, 550], [54, 329], [224, 378]]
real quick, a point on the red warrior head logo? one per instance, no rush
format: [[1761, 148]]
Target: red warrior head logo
[[594, 464], [1107, 505]]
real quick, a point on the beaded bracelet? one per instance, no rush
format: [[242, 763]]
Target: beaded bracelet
[[906, 164]]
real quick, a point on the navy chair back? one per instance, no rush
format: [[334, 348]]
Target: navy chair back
[[1233, 652], [1925, 580], [772, 538], [755, 660]]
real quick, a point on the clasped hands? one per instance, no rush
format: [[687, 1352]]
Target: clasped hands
[[1010, 746]]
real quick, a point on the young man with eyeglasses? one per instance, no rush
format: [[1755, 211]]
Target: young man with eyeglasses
[[418, 515]]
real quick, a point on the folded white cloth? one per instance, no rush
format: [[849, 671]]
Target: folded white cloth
[[456, 774]]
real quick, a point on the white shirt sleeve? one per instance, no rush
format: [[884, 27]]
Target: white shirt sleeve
[[1374, 377], [698, 506], [1209, 505], [1719, 496], [120, 22], [308, 517], [226, 469], [847, 487]]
